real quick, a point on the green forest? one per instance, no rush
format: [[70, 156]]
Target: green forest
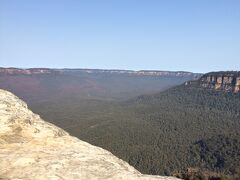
[[164, 133]]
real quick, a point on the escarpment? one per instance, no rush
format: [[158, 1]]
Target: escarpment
[[228, 81], [31, 148]]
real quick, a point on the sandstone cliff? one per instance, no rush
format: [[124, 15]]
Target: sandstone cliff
[[31, 148], [228, 81]]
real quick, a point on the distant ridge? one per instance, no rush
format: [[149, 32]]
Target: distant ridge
[[29, 71], [16, 71]]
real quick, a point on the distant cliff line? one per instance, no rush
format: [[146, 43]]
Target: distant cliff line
[[29, 71]]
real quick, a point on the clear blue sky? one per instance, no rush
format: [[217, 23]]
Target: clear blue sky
[[191, 35]]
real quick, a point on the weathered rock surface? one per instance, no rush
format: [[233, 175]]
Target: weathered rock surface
[[228, 81], [31, 148]]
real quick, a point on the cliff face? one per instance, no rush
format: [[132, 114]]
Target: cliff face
[[31, 148], [226, 81]]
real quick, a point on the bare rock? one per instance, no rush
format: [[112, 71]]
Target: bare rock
[[228, 81]]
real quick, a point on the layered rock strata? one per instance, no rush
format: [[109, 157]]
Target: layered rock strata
[[226, 81]]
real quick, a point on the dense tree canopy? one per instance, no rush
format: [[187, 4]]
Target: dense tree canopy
[[162, 133]]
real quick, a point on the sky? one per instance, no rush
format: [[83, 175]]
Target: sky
[[188, 35]]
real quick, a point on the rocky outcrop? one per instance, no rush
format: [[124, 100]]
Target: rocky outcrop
[[226, 81], [31, 148]]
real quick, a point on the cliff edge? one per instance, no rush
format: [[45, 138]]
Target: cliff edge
[[31, 148], [228, 81]]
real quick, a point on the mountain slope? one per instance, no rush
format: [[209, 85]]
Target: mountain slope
[[31, 148]]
